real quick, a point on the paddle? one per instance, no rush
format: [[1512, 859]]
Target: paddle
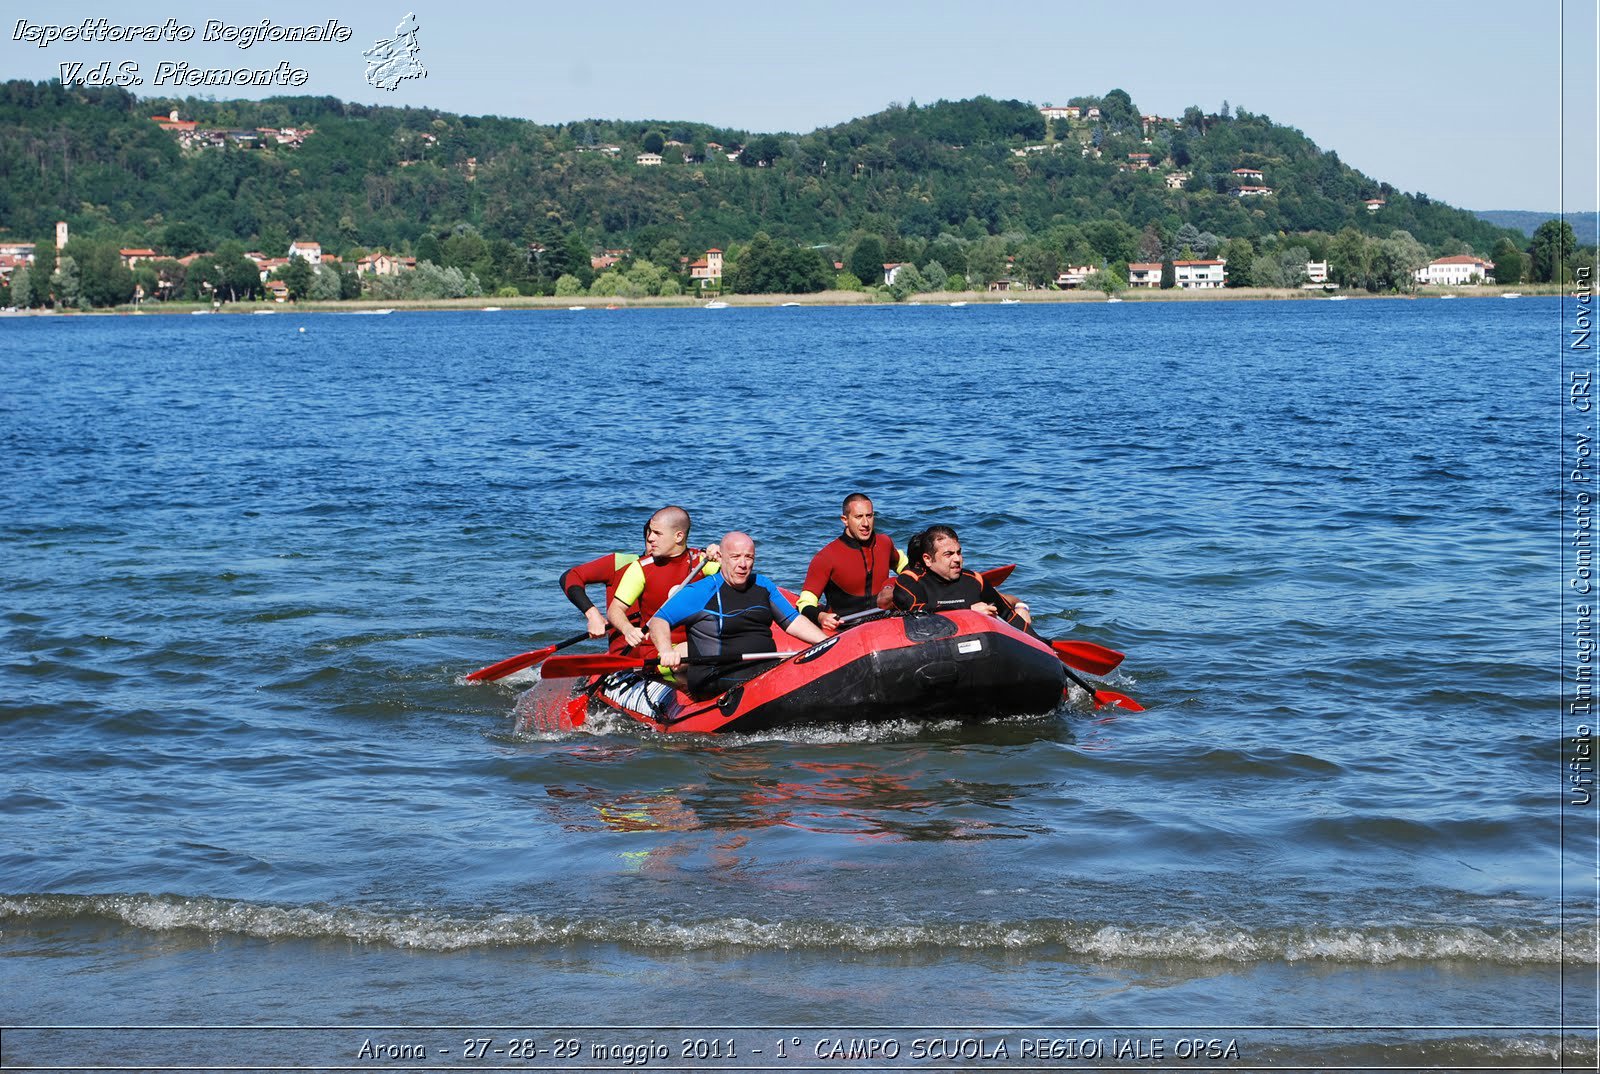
[[1104, 697], [1087, 656], [995, 575], [513, 664], [570, 667]]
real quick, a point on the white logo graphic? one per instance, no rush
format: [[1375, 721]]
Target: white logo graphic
[[391, 62]]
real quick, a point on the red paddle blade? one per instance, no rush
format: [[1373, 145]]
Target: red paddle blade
[[1122, 701], [995, 575], [510, 665], [1087, 656], [570, 667]]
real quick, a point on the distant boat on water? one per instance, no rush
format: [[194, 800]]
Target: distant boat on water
[[957, 305], [263, 311], [1338, 298], [1011, 301], [716, 305], [491, 309], [1444, 297], [576, 309], [1113, 298], [788, 303], [1512, 294]]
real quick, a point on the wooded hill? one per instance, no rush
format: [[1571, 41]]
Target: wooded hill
[[953, 173]]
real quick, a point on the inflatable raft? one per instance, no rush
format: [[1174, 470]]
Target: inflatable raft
[[955, 665]]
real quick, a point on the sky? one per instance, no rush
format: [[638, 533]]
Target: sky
[[1479, 103]]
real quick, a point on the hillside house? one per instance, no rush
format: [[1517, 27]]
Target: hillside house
[[381, 264], [1144, 274], [1199, 275], [306, 250], [707, 271], [1248, 175], [1073, 276], [1455, 271], [132, 257]]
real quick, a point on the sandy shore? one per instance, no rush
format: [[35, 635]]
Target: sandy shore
[[822, 298]]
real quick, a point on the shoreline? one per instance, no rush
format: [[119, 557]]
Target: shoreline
[[820, 298]]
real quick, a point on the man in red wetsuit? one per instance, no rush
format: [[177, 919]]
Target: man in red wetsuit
[[605, 569], [939, 584], [666, 536], [645, 584], [852, 568]]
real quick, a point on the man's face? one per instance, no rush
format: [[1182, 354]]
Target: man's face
[[858, 520], [945, 559], [738, 561], [657, 540]]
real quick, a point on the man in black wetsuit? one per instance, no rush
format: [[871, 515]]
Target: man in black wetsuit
[[938, 584]]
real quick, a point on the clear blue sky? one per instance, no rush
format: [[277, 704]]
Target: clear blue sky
[[1474, 103]]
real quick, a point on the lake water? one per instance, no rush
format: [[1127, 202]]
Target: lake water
[[246, 565]]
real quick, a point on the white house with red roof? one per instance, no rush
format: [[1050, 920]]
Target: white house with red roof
[[1073, 276], [1144, 274], [1197, 275], [1455, 270], [306, 250], [132, 257], [1251, 174]]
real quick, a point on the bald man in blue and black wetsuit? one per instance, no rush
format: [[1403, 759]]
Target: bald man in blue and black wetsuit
[[728, 615]]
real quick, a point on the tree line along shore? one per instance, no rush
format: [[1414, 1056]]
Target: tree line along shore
[[168, 200]]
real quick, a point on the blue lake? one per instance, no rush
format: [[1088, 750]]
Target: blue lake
[[247, 560]]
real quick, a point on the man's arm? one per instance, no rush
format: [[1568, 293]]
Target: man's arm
[[575, 579], [789, 617], [817, 576], [806, 630], [661, 637], [617, 616], [630, 587]]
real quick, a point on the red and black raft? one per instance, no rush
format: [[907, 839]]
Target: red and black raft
[[959, 665]]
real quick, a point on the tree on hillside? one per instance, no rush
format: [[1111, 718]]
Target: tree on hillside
[[65, 284], [653, 142], [866, 260], [1553, 246], [1117, 113], [1509, 263], [22, 295], [296, 275]]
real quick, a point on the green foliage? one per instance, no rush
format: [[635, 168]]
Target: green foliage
[[935, 182], [23, 295], [1551, 253], [1509, 262], [297, 276], [1106, 280], [866, 261], [569, 286], [769, 268]]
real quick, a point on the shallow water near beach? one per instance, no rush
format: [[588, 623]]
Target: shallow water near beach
[[246, 566]]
